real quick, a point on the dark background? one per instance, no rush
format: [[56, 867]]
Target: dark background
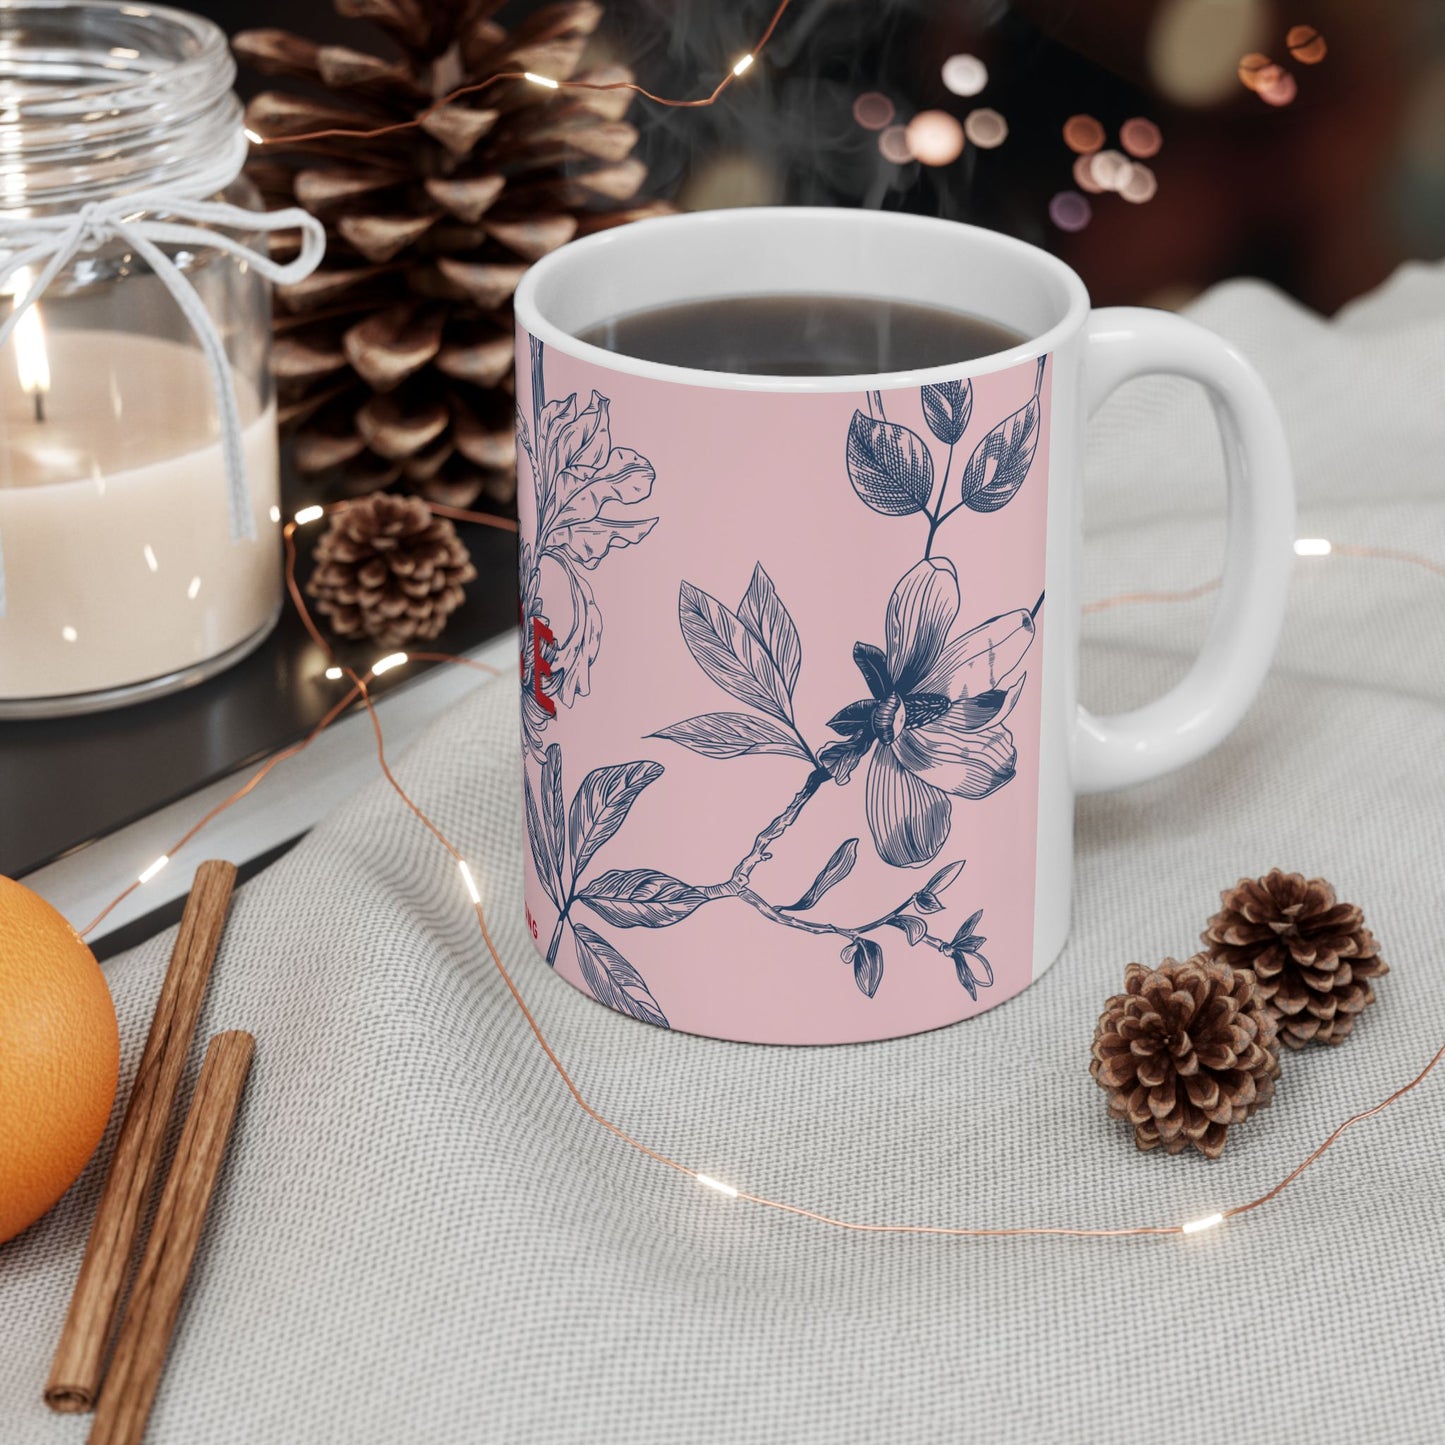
[[1323, 196]]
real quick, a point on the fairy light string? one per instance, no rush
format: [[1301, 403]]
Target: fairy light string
[[739, 68], [359, 691]]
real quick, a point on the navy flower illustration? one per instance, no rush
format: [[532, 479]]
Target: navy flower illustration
[[933, 716], [964, 950]]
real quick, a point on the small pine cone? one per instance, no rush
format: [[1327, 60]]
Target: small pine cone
[[1313, 957], [1184, 1052], [388, 570]]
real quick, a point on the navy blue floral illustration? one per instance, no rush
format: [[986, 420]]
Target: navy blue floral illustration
[[563, 847], [927, 723], [931, 725], [584, 490]]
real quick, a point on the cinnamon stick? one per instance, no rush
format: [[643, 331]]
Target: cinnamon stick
[[155, 1298], [79, 1362]]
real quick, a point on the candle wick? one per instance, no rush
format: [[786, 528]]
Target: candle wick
[[39, 404]]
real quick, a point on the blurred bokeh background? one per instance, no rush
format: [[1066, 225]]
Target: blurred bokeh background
[[1157, 145]]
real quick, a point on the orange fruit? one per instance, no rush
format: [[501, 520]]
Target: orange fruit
[[59, 1056]]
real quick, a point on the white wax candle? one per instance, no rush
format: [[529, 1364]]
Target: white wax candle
[[119, 562]]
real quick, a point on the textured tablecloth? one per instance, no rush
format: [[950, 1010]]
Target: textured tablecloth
[[418, 1236]]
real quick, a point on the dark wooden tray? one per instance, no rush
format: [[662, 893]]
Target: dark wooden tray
[[66, 781]]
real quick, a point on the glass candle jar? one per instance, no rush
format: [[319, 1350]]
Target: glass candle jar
[[130, 567]]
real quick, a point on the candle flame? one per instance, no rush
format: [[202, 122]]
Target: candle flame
[[32, 361]]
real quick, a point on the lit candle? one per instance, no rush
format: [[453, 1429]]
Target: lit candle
[[32, 361], [119, 561]]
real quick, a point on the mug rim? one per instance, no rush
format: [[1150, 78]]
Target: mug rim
[[588, 249]]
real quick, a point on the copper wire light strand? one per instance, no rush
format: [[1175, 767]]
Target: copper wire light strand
[[360, 690], [344, 132]]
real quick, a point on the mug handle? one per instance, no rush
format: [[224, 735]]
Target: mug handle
[[1123, 342]]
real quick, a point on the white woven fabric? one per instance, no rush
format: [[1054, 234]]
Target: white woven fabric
[[418, 1236]]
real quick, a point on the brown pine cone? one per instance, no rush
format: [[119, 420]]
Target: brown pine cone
[[1185, 1051], [393, 361], [1313, 957], [388, 570]]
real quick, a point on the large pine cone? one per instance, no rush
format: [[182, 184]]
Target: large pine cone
[[394, 360], [388, 570], [1184, 1052], [1313, 957]]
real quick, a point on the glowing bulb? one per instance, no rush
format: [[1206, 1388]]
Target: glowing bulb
[[742, 64], [708, 1182], [1196, 1226], [1083, 134], [1140, 137], [985, 128], [893, 144], [256, 140], [934, 137], [541, 80], [1313, 547], [155, 868], [309, 514], [1280, 88], [333, 674], [470, 881], [1070, 211], [873, 110], [385, 664], [1140, 185], [964, 74], [1306, 44]]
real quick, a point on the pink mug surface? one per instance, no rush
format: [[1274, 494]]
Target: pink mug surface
[[781, 695]]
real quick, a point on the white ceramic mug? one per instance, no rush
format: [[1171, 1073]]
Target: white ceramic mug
[[800, 654]]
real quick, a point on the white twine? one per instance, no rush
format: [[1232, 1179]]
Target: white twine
[[52, 242]]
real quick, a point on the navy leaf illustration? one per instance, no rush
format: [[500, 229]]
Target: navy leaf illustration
[[623, 475], [947, 408], [551, 808], [1001, 461], [873, 664], [835, 870], [763, 614], [841, 758], [890, 467], [612, 979], [915, 928], [730, 654], [641, 898], [867, 960], [733, 735], [590, 541], [537, 838], [601, 806], [927, 899], [946, 876], [966, 975]]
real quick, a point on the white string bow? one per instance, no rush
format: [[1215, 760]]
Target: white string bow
[[52, 242]]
